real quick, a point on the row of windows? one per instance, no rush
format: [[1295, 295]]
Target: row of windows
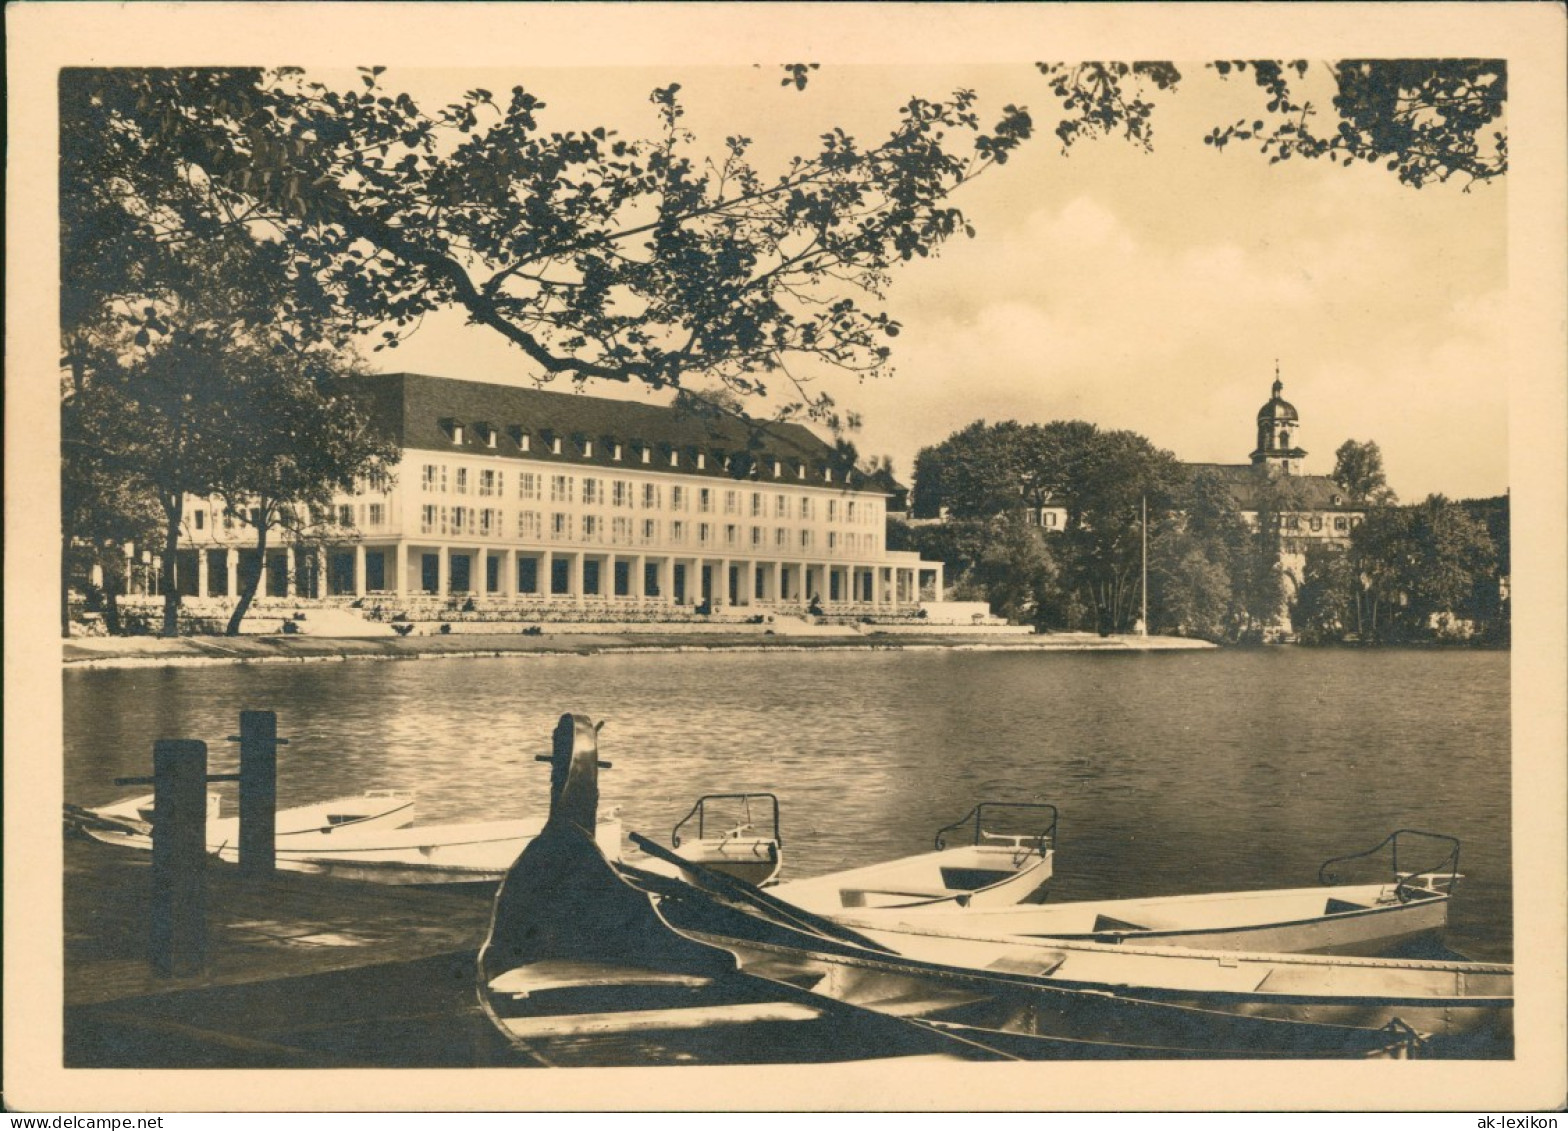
[[362, 515], [624, 493], [619, 530], [666, 454], [1342, 523]]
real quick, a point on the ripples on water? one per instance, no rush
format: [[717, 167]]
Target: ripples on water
[[1174, 772]]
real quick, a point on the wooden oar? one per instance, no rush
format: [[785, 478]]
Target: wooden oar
[[732, 887]]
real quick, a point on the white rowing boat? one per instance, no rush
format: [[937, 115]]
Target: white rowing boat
[[567, 924], [994, 870], [129, 823], [464, 853], [733, 833], [1360, 919]]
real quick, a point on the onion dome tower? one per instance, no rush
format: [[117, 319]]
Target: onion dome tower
[[1277, 422]]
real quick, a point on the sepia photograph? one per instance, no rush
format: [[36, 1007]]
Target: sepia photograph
[[732, 557]]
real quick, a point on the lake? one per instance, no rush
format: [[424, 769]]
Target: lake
[[1174, 772]]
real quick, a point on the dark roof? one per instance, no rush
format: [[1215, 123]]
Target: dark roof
[[418, 411], [1277, 407], [1317, 492]]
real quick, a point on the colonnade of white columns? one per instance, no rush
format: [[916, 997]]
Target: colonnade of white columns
[[767, 582]]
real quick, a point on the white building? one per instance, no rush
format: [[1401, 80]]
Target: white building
[[526, 496]]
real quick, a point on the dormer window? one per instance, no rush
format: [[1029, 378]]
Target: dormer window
[[1337, 499], [778, 469], [647, 454], [702, 460], [555, 445], [615, 451], [827, 475], [675, 457], [486, 434], [800, 470], [454, 430]]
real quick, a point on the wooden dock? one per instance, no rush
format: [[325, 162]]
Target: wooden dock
[[303, 971]]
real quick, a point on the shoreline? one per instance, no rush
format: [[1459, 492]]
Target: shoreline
[[185, 651]]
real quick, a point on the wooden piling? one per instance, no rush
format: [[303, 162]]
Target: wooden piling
[[177, 942], [259, 742]]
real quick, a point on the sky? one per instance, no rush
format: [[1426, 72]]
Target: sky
[[1153, 291]]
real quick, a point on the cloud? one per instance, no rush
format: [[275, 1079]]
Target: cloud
[[1076, 315]]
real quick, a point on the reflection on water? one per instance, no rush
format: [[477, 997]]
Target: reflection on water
[[1174, 772]]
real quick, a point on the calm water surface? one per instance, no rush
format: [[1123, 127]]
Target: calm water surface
[[1175, 772]]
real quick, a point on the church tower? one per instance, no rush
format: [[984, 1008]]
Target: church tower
[[1277, 422]]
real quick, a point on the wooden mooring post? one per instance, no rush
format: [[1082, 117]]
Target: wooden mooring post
[[177, 934], [177, 940], [259, 742]]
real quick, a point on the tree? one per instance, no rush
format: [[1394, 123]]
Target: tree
[[1000, 560], [1358, 468], [103, 510], [652, 260], [1425, 120], [1324, 608], [1386, 559], [1455, 554], [1111, 481], [1428, 565], [295, 436], [1016, 570], [1201, 556], [1100, 479], [1190, 594], [598, 256], [978, 472]]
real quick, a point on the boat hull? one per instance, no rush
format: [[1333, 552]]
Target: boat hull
[[975, 876], [124, 823], [430, 855], [1366, 920]]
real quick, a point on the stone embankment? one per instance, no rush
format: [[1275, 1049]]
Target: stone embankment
[[135, 651]]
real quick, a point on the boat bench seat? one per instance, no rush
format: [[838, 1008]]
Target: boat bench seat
[[860, 897], [1339, 906], [658, 1020], [566, 974]]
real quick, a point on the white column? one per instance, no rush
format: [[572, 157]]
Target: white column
[[321, 573], [667, 580], [231, 562], [201, 573], [721, 584], [400, 557], [638, 587], [892, 590], [748, 582], [577, 576], [359, 569], [443, 571], [508, 587], [546, 578]]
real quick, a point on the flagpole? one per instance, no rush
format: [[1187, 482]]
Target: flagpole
[[1144, 585]]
